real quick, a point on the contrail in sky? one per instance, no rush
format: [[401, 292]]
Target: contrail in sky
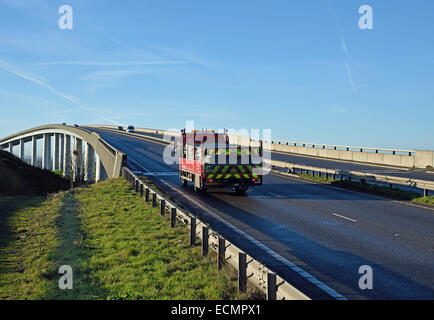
[[12, 69]]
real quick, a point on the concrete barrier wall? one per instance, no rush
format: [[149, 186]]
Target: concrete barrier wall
[[424, 158], [420, 160]]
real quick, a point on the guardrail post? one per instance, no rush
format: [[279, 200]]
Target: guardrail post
[[141, 190], [154, 200], [147, 195], [271, 286], [192, 231], [242, 272], [163, 207], [173, 218], [425, 192], [221, 253], [205, 241]]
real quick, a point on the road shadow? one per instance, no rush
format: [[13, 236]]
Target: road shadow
[[337, 267], [72, 251], [9, 206]]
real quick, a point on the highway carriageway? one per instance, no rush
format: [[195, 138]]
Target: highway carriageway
[[328, 232], [421, 174]]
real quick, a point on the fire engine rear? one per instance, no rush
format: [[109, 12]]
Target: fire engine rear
[[208, 160]]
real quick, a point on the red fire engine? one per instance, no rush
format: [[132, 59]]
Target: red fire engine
[[208, 160]]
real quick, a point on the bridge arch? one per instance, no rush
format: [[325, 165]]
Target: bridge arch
[[100, 159]]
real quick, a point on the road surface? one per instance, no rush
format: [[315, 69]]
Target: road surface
[[327, 231]]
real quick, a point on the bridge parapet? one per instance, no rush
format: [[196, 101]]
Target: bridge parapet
[[62, 149]]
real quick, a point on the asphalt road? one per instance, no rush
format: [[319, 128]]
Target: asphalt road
[[327, 231], [343, 165]]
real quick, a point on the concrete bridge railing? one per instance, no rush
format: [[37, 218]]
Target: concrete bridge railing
[[388, 157], [73, 150]]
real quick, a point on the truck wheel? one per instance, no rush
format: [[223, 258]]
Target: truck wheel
[[196, 189], [240, 191], [199, 190], [184, 182]]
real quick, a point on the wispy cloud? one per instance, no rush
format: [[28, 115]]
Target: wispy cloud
[[345, 109], [347, 64], [24, 75], [350, 77], [111, 63], [344, 46]]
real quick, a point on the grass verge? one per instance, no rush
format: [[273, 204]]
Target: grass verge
[[27, 243], [395, 193], [117, 245]]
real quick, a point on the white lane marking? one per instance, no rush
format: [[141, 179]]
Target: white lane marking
[[274, 254], [138, 165], [274, 195], [413, 205], [343, 217], [161, 174]]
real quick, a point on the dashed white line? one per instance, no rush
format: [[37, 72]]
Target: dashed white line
[[274, 195], [343, 217]]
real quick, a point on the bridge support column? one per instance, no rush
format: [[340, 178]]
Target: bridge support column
[[77, 155], [89, 163], [101, 174], [11, 148], [61, 151], [67, 156], [21, 155], [56, 151], [46, 151], [34, 158]]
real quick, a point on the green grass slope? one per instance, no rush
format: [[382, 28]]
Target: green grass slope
[[118, 246]]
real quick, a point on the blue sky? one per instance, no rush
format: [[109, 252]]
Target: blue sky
[[302, 68]]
